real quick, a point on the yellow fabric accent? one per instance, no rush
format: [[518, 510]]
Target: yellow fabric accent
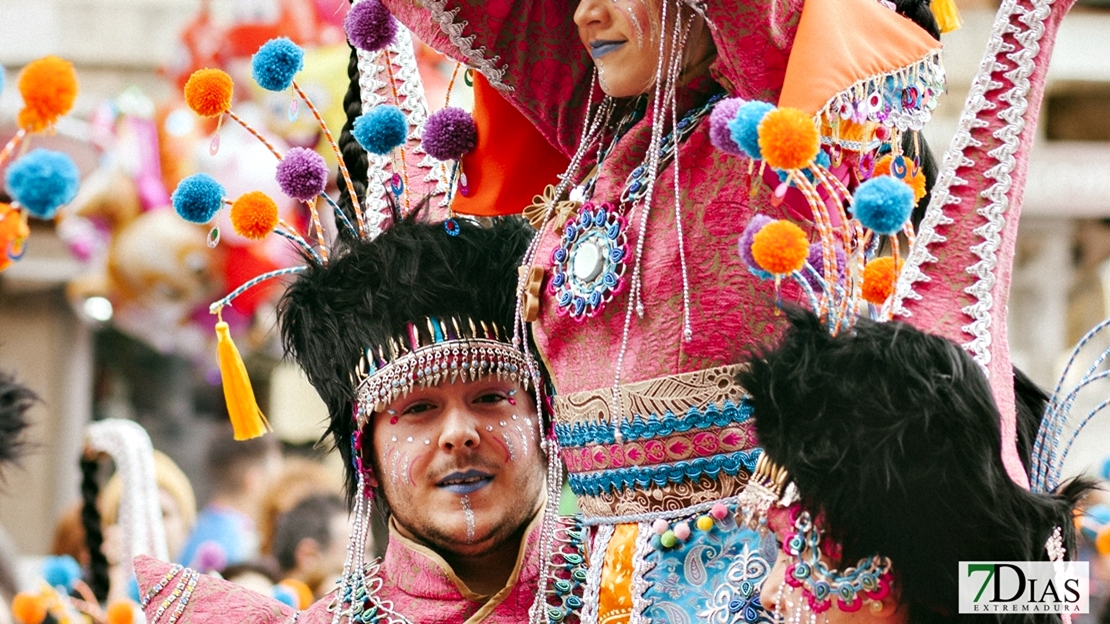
[[830, 55], [947, 14], [615, 594], [246, 418]]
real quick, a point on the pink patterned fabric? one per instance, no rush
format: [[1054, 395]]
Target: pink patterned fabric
[[957, 281], [418, 583]]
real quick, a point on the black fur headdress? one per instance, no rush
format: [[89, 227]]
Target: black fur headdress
[[892, 436], [366, 295]]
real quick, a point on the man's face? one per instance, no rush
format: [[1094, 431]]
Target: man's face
[[460, 464]]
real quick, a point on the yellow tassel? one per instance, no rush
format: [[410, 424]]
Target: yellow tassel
[[948, 16], [246, 418]]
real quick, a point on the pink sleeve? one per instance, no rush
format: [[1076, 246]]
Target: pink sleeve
[[957, 276], [528, 49]]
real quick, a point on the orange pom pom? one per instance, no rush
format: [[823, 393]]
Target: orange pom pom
[[254, 215], [878, 280], [916, 180], [788, 139], [28, 608], [121, 613], [302, 591], [208, 92], [49, 87], [780, 247]]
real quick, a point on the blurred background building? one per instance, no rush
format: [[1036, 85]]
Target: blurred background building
[[106, 315]]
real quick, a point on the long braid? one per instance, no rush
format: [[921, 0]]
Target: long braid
[[94, 534], [354, 156]]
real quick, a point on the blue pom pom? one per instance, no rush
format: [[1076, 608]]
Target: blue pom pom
[[1, 79], [275, 64], [744, 127], [133, 589], [285, 596], [883, 204], [198, 198], [61, 571], [381, 129], [43, 181]]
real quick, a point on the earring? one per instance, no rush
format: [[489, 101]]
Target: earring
[[876, 607]]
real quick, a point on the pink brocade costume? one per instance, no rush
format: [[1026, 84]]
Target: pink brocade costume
[[413, 582], [530, 49], [679, 443]]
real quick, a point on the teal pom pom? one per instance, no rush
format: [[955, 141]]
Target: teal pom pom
[[381, 129], [198, 198], [61, 571], [883, 204], [1, 79], [43, 181], [275, 64], [284, 595], [744, 127]]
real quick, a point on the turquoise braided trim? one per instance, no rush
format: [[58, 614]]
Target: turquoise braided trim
[[598, 483], [642, 428]]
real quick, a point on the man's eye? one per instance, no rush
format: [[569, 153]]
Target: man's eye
[[490, 397], [418, 408]]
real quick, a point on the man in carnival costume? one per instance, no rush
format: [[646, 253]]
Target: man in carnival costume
[[406, 335], [882, 447]]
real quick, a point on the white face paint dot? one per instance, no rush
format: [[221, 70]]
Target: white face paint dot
[[489, 427], [502, 423], [427, 442], [394, 438], [514, 416], [410, 439]]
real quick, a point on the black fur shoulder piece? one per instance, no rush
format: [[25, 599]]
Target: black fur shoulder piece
[[892, 435], [368, 292]]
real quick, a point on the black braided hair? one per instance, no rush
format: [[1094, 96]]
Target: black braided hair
[[94, 533], [354, 156]]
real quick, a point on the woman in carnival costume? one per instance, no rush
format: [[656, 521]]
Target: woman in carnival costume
[[637, 299], [683, 120], [403, 325]]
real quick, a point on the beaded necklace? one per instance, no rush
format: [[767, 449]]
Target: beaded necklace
[[591, 259]]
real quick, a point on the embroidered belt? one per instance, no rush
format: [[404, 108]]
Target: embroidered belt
[[685, 440]]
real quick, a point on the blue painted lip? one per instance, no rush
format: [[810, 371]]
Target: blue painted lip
[[465, 482], [602, 47]]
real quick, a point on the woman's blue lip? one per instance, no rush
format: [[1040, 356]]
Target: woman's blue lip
[[599, 49]]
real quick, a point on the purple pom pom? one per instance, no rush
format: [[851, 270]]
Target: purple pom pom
[[816, 259], [719, 134], [449, 133], [753, 228], [370, 26], [302, 174], [210, 557]]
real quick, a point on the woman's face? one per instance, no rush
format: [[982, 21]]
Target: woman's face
[[622, 36], [622, 41]]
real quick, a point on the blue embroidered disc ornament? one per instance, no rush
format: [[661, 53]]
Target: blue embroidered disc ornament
[[589, 262]]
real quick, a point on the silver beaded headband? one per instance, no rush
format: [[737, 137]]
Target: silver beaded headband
[[441, 356]]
